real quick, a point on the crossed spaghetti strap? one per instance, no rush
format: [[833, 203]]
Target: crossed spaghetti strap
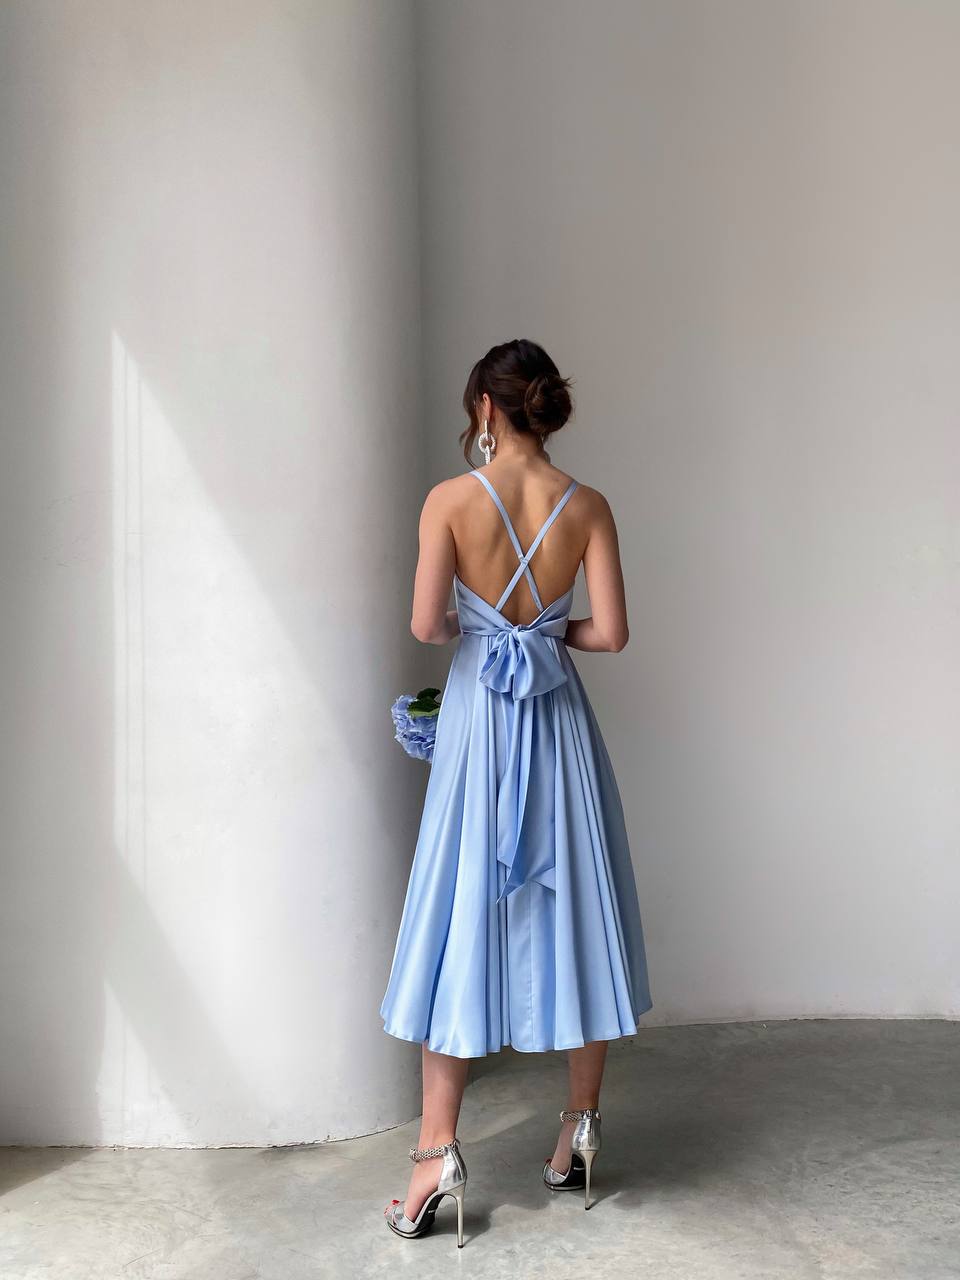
[[525, 556]]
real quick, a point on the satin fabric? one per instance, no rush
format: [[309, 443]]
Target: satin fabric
[[521, 922], [522, 662]]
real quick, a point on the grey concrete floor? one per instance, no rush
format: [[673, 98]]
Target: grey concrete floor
[[801, 1149]]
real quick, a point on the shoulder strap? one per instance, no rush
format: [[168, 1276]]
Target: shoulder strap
[[524, 556], [503, 511], [522, 567]]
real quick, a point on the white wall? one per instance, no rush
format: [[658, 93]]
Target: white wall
[[735, 225], [210, 457]]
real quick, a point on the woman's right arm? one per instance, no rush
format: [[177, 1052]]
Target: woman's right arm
[[605, 631], [431, 621]]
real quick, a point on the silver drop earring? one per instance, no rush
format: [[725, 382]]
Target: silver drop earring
[[486, 441]]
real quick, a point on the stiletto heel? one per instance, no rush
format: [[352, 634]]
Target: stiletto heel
[[588, 1159], [584, 1147], [452, 1182], [457, 1193]]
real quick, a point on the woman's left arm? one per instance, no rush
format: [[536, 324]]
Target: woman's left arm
[[431, 621]]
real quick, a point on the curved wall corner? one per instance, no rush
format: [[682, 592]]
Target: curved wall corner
[[210, 485]]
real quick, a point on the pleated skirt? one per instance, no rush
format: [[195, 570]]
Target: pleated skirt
[[558, 961]]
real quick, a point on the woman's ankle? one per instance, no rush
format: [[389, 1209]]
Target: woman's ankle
[[440, 1138]]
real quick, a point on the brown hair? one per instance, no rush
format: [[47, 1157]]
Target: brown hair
[[525, 384]]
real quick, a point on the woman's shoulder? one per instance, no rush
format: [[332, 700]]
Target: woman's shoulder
[[588, 493], [450, 494], [590, 501]]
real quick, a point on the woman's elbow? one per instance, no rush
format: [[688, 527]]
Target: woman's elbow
[[618, 640], [425, 632], [418, 630]]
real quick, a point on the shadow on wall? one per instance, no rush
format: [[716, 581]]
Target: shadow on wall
[[119, 1046]]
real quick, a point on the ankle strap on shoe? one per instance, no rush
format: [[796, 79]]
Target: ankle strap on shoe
[[581, 1114], [428, 1153]]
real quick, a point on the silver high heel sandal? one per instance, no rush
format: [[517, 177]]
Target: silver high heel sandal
[[453, 1181], [584, 1147]]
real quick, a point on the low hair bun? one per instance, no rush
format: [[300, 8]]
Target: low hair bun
[[547, 403], [525, 386]]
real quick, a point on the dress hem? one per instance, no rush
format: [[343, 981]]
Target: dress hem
[[619, 1034]]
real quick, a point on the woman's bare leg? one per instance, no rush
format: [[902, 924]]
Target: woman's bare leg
[[444, 1080], [586, 1076]]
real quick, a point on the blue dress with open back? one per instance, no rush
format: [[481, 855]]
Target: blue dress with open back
[[521, 923]]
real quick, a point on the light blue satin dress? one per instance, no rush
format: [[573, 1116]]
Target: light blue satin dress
[[521, 924]]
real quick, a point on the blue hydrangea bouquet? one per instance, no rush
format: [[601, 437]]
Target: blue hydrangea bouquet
[[415, 722]]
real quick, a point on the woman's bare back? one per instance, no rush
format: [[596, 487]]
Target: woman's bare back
[[485, 557]]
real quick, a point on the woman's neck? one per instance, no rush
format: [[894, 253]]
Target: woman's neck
[[514, 447]]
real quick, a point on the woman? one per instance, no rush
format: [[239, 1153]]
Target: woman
[[521, 923]]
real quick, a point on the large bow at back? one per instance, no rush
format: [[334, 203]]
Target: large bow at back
[[521, 662]]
